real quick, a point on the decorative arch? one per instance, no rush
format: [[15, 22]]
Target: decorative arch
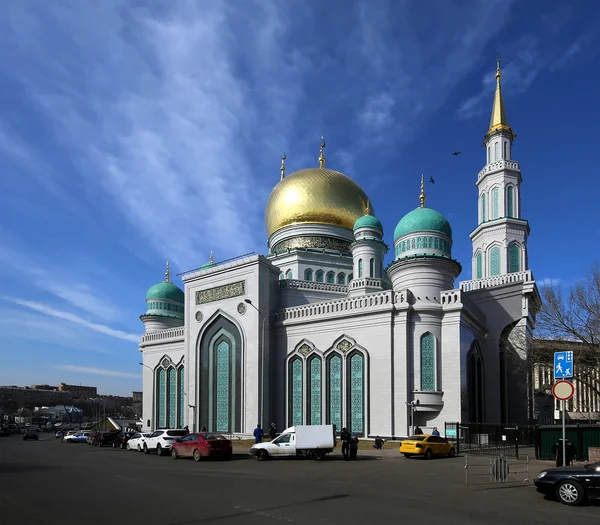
[[334, 389], [219, 374], [319, 276], [356, 378], [494, 260], [308, 274], [289, 274], [510, 198], [371, 267], [281, 276], [296, 390], [495, 202], [331, 277], [304, 347], [350, 277], [360, 268], [483, 208], [341, 278], [475, 384], [314, 382], [181, 395], [428, 362], [514, 258], [343, 344], [479, 265]]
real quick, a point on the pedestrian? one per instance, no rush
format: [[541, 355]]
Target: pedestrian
[[186, 428], [435, 432], [378, 443], [272, 431], [418, 431], [557, 450], [353, 446], [258, 434], [204, 429], [345, 438]]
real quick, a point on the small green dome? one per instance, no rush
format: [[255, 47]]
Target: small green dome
[[368, 221], [166, 290], [422, 219]]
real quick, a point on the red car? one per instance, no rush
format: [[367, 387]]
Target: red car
[[201, 446]]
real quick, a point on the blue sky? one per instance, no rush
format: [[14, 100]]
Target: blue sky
[[133, 131]]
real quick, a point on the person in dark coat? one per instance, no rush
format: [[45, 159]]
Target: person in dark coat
[[557, 450], [353, 446], [272, 431], [379, 443], [345, 438], [418, 431], [258, 434]]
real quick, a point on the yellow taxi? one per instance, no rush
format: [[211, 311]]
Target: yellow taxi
[[427, 446]]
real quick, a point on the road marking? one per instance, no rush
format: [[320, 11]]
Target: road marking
[[126, 479], [264, 514]]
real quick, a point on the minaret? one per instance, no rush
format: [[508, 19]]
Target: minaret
[[500, 238]]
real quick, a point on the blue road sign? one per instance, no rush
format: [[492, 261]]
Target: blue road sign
[[563, 365]]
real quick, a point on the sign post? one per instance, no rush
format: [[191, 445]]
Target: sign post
[[563, 390], [563, 369]]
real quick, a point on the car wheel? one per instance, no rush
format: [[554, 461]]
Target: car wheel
[[197, 455], [146, 451], [451, 453], [570, 493], [428, 454], [159, 451], [408, 456], [174, 453], [228, 457], [317, 455], [262, 455], [127, 447], [139, 449]]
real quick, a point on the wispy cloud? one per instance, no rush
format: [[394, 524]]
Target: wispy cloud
[[72, 318], [95, 371], [550, 281], [377, 112]]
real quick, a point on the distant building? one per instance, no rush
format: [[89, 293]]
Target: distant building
[[44, 387], [138, 405], [19, 396], [78, 390]]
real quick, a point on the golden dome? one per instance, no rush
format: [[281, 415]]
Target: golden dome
[[315, 196]]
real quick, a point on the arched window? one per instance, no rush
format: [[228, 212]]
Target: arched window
[[341, 278], [355, 384], [381, 269], [496, 151], [281, 276], [479, 265], [514, 259], [181, 384], [314, 398], [428, 362], [495, 261], [495, 204], [222, 386], [319, 276], [334, 391], [360, 268], [489, 155], [505, 150], [289, 274], [308, 274], [172, 404], [296, 392], [161, 394], [331, 277], [350, 277], [509, 202], [483, 210], [371, 268]]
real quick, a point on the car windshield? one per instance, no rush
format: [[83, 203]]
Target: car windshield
[[416, 438], [177, 433]]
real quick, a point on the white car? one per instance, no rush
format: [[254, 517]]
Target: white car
[[160, 441], [136, 442], [78, 437]]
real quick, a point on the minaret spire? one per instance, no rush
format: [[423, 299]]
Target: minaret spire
[[167, 273], [321, 151], [283, 166], [422, 196], [211, 258], [498, 120]]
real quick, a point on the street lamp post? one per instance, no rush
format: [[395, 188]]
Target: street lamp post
[[152, 418], [412, 405]]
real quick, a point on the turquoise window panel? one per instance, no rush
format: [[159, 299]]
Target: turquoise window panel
[[427, 363], [281, 276], [357, 394], [479, 265], [495, 261], [181, 383], [341, 278], [289, 274], [319, 276], [308, 275], [335, 392], [495, 203], [172, 404], [483, 209], [510, 202], [505, 150], [315, 391], [331, 277], [161, 388], [496, 151], [350, 277], [360, 268], [371, 268], [514, 259], [297, 392], [222, 398]]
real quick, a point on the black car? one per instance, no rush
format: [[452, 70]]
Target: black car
[[121, 439], [30, 434], [571, 485], [103, 438]]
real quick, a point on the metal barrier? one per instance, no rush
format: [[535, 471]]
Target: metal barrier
[[494, 471]]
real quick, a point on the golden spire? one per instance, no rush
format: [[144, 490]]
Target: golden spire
[[283, 166], [368, 206], [321, 151], [211, 258], [167, 273], [422, 196], [498, 121]]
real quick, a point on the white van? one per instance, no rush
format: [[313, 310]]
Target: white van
[[313, 441]]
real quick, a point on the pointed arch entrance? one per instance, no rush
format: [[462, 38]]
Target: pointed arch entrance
[[475, 384]]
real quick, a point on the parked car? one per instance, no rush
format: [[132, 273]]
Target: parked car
[[160, 441], [103, 438], [427, 446], [136, 442], [313, 441], [30, 434], [122, 439], [78, 437], [571, 485], [201, 446]]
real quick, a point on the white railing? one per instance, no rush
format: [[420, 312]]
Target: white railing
[[490, 282], [341, 306], [311, 285], [366, 281], [499, 165], [451, 297], [169, 333]]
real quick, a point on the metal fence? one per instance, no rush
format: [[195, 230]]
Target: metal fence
[[484, 438], [495, 471]]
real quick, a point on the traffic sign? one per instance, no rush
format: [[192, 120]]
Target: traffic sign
[[563, 365], [563, 390]]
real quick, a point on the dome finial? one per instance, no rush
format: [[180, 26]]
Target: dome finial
[[368, 207], [211, 258], [283, 166], [321, 151], [422, 196], [167, 273]]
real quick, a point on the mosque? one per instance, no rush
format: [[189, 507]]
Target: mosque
[[318, 331]]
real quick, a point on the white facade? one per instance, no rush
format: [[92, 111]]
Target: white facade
[[309, 335]]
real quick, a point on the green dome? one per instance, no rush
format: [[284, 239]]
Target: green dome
[[166, 290], [422, 219], [368, 221], [207, 265]]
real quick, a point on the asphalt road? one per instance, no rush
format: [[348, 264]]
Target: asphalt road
[[48, 482]]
